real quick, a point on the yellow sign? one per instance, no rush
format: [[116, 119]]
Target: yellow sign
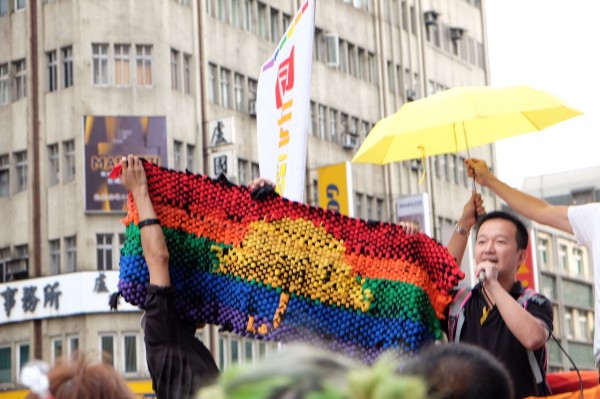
[[335, 188]]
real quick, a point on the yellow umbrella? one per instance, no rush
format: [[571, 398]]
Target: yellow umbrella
[[460, 118]]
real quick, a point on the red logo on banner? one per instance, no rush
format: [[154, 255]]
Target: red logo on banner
[[285, 79], [526, 272]]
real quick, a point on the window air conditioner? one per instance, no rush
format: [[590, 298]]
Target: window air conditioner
[[349, 141], [456, 33], [430, 17]]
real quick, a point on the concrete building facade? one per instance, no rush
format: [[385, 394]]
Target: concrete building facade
[[195, 64]]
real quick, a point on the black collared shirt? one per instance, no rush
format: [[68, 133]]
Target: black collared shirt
[[495, 336], [179, 364]]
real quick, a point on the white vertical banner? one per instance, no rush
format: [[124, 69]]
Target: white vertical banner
[[282, 105]]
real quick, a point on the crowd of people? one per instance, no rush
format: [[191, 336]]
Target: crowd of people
[[497, 329]]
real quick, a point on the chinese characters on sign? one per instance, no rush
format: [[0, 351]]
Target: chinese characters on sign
[[29, 300], [58, 296]]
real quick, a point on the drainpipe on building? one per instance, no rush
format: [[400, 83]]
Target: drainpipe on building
[[387, 171], [35, 144], [428, 162], [200, 87]]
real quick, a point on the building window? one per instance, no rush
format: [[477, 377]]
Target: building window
[[413, 20], [4, 7], [333, 125], [242, 171], [222, 10], [4, 86], [364, 131], [21, 171], [130, 354], [187, 73], [369, 207], [104, 251], [323, 122], [314, 126], [67, 61], [373, 69], [5, 364], [390, 73], [255, 170], [359, 205], [54, 249], [249, 15], [584, 333], [354, 125], [177, 154], [225, 77], [20, 79], [69, 166], [363, 65], [352, 68], [71, 253], [144, 65], [562, 258], [19, 5], [52, 70], [4, 258], [252, 88], [462, 171], [174, 69], [275, 25], [190, 157], [543, 253], [379, 209], [100, 64], [262, 21], [235, 13], [22, 356], [447, 167], [569, 324], [239, 92], [4, 176], [212, 83], [107, 349], [577, 262], [53, 164], [73, 345], [122, 65], [56, 349]]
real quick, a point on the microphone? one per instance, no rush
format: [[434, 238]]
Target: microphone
[[481, 277]]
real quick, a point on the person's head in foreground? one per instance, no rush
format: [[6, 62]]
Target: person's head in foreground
[[460, 371], [74, 379], [303, 372]]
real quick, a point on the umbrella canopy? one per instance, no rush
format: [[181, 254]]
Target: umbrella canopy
[[460, 118]]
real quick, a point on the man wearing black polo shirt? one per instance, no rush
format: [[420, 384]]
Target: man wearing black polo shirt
[[493, 317], [179, 364]]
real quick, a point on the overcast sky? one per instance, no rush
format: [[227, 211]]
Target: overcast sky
[[553, 45]]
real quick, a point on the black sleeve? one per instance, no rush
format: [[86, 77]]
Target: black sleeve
[[161, 324], [540, 307]]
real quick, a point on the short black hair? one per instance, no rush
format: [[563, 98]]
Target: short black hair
[[455, 370], [522, 234]]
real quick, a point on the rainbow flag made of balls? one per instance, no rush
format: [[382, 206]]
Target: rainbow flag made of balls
[[279, 270]]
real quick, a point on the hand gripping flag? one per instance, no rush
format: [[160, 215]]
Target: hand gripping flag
[[279, 270]]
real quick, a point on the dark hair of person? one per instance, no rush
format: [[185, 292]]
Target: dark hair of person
[[460, 371], [75, 378], [522, 234]]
